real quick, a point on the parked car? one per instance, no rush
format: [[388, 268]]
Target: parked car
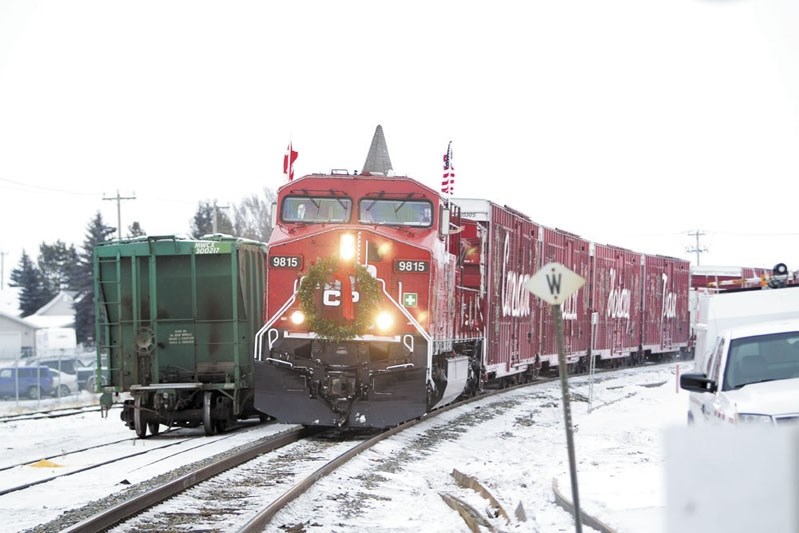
[[83, 369], [751, 377], [31, 381], [64, 383]]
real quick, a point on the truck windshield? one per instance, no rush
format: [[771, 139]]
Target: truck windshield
[[316, 209], [762, 358], [395, 212]]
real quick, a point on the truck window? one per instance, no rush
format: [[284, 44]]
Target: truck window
[[715, 365], [762, 358]]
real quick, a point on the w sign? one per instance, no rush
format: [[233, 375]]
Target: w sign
[[554, 283]]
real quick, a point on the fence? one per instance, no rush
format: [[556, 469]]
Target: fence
[[33, 381]]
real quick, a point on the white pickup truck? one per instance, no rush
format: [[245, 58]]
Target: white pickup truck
[[717, 312], [750, 376]]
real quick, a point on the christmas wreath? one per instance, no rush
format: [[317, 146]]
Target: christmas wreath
[[323, 272]]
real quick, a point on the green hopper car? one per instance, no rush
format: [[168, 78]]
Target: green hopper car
[[176, 319]]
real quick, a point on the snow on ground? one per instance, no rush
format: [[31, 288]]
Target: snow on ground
[[517, 454]]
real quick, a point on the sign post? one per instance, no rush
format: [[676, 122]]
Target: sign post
[[553, 284]]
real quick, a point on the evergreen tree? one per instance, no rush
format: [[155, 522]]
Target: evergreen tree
[[203, 221], [253, 216], [59, 266], [96, 233], [135, 230], [34, 292]]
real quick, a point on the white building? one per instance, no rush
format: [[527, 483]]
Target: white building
[[51, 329]]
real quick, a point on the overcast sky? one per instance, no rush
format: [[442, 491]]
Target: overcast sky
[[627, 122]]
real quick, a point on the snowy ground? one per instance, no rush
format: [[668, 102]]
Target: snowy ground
[[518, 453]]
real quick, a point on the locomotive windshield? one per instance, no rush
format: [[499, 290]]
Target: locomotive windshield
[[316, 209], [395, 212]]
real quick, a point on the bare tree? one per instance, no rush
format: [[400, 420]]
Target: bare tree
[[253, 216]]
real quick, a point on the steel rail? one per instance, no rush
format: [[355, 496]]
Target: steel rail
[[118, 513]]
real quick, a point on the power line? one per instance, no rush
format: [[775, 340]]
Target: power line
[[697, 249], [31, 186], [119, 199]]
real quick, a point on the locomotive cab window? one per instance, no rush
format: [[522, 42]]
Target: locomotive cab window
[[316, 209], [395, 212]]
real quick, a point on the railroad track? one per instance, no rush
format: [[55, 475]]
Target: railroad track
[[107, 449], [59, 412], [195, 474], [299, 458], [109, 468]]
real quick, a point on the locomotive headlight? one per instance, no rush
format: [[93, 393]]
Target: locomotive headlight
[[384, 321], [346, 247], [297, 317]]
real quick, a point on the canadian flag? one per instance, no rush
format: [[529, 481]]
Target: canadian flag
[[288, 162]]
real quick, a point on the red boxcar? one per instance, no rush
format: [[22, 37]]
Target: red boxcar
[[573, 252], [616, 296], [499, 254], [665, 305]]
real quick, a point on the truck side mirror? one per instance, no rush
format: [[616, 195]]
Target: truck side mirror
[[697, 383]]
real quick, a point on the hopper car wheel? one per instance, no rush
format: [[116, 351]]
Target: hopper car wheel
[[139, 424], [154, 427], [223, 423], [209, 423]]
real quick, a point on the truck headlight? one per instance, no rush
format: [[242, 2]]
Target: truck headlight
[[751, 418]]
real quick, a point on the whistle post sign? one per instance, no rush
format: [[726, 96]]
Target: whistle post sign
[[554, 283]]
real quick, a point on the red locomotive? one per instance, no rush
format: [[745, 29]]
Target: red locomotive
[[385, 300]]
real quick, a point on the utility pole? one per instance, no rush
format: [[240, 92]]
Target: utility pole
[[3, 254], [697, 249], [216, 213], [119, 199]]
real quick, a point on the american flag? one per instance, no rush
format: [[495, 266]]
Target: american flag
[[288, 162], [448, 179]]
